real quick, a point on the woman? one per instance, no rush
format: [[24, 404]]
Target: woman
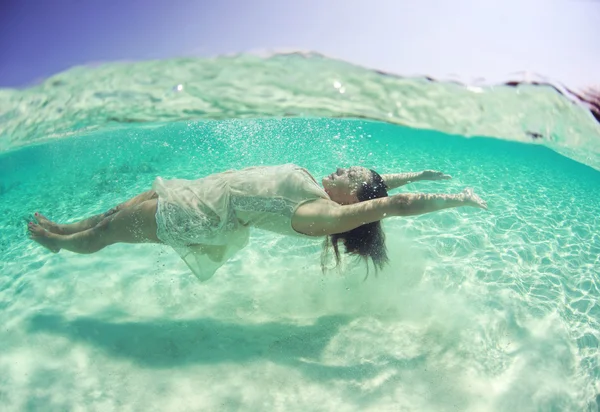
[[207, 220]]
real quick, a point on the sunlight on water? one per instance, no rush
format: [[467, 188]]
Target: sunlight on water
[[247, 86], [477, 311]]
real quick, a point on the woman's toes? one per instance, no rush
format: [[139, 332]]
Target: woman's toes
[[34, 230], [43, 237], [40, 218], [46, 223]]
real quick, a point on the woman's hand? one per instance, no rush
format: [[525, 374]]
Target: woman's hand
[[434, 175], [411, 204]]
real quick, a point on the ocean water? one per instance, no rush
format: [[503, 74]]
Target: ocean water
[[478, 310]]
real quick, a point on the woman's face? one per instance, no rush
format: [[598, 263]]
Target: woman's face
[[342, 185]]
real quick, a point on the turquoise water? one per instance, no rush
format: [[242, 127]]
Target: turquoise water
[[84, 99], [477, 311]]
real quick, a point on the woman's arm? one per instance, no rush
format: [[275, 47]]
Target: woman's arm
[[324, 217], [395, 180]]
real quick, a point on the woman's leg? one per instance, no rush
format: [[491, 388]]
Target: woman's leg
[[133, 224], [89, 223]]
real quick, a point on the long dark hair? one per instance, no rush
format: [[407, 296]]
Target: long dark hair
[[366, 241]]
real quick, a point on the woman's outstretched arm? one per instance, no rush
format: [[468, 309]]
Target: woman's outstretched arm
[[323, 217], [394, 180]]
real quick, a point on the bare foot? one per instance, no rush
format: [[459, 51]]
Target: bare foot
[[48, 224], [43, 237], [473, 200]]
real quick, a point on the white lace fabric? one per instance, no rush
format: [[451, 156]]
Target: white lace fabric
[[208, 220]]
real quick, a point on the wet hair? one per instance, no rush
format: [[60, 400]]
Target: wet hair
[[366, 241]]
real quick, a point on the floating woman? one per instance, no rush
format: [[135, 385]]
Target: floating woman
[[208, 220]]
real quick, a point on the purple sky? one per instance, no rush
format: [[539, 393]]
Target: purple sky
[[470, 38]]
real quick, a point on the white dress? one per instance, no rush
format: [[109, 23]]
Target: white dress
[[207, 220]]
